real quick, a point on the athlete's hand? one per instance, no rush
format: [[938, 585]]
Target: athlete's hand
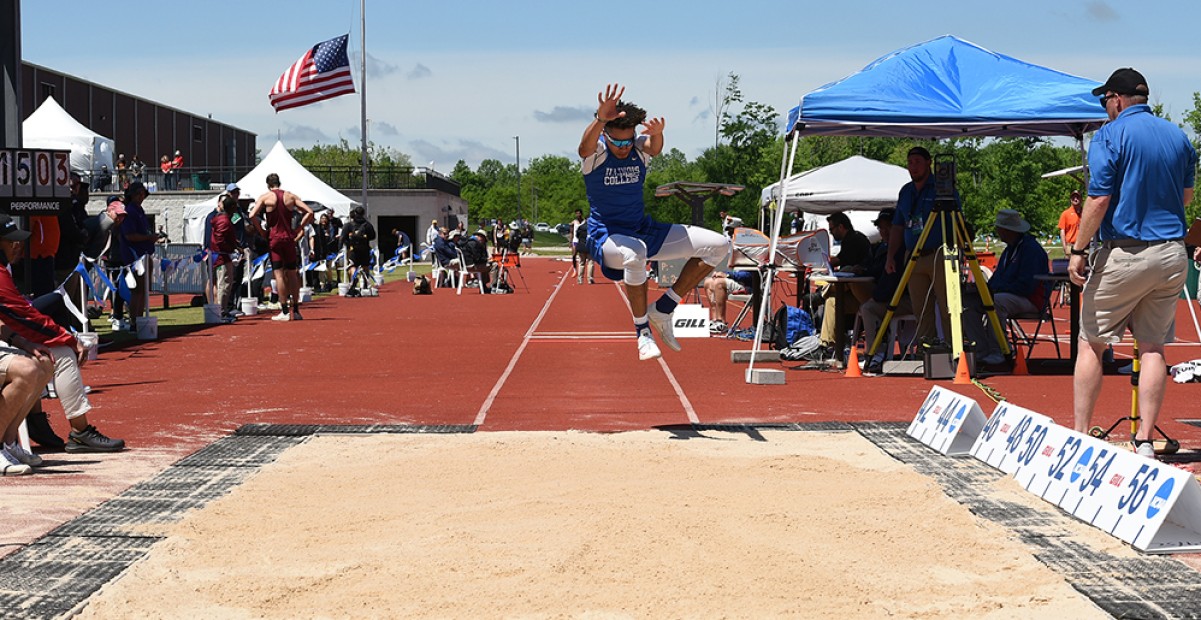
[[299, 236], [653, 127], [890, 265], [606, 110]]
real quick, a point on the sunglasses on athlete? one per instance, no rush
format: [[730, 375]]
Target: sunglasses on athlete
[[621, 144]]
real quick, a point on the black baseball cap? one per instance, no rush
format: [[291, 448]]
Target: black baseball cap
[[1124, 81], [9, 230], [886, 215]]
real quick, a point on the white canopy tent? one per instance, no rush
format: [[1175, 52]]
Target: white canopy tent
[[292, 176], [857, 185], [50, 127]]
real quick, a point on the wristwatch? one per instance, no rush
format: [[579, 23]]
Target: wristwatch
[[1076, 252]]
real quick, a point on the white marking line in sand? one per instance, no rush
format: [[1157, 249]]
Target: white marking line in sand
[[670, 377], [483, 413]]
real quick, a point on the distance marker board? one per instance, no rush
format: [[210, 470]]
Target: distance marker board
[[948, 422], [1151, 505], [34, 181]]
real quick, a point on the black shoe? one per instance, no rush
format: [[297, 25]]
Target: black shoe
[[41, 433], [92, 440]]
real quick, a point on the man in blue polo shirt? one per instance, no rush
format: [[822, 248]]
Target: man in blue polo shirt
[[1142, 173]]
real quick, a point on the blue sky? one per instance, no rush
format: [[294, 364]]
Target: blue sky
[[457, 79]]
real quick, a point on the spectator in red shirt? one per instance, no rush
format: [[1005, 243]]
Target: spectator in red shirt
[[53, 352], [223, 244], [164, 165]]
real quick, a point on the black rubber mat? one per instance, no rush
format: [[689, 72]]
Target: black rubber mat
[[305, 430], [54, 575], [240, 451], [1142, 587], [786, 426]]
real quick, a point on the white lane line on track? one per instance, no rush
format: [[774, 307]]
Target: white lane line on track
[[675, 385], [483, 412]]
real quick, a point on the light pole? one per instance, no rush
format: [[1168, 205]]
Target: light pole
[[518, 141], [534, 209]]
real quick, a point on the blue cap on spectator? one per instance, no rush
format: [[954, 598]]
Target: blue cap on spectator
[[232, 187]]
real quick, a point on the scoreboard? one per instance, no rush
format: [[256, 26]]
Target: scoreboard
[[34, 181]]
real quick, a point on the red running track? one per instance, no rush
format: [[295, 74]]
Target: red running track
[[555, 355]]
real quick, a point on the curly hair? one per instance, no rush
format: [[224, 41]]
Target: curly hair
[[633, 118]]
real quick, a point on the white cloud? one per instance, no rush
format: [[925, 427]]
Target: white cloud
[[302, 134], [418, 72], [565, 114], [1101, 12]]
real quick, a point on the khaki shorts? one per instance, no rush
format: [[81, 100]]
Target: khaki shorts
[[6, 355], [1135, 287]]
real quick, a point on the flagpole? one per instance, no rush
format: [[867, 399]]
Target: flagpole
[[363, 92]]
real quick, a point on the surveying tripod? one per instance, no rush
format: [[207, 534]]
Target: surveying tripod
[[1171, 446], [956, 247]]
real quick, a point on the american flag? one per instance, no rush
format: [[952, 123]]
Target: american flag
[[322, 73]]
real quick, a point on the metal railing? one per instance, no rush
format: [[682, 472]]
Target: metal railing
[[342, 178]]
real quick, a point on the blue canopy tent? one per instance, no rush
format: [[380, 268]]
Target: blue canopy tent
[[949, 88], [943, 88]]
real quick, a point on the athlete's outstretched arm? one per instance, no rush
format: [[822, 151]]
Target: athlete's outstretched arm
[[654, 129], [606, 111]]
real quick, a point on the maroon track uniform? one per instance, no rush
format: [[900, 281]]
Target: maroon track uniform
[[280, 235]]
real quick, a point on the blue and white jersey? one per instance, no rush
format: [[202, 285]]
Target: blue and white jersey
[[614, 189], [614, 185]]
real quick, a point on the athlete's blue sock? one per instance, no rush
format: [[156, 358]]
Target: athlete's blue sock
[[668, 302], [641, 323]]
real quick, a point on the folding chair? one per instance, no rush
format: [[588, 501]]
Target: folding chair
[[1018, 334], [462, 273], [437, 271], [504, 260]]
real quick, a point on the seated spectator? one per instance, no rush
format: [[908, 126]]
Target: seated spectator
[[56, 353], [445, 249], [1013, 286], [475, 252], [853, 257], [718, 288], [872, 311]]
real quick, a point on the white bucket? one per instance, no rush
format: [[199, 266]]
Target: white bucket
[[212, 313], [148, 328], [306, 294], [379, 279], [343, 288], [89, 341], [250, 306]]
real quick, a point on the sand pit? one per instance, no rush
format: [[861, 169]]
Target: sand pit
[[635, 524]]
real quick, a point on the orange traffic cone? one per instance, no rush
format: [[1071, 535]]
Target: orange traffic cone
[[963, 376], [1019, 363], [853, 363]]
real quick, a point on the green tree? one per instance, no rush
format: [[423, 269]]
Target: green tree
[[559, 186], [1192, 120], [342, 155]]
